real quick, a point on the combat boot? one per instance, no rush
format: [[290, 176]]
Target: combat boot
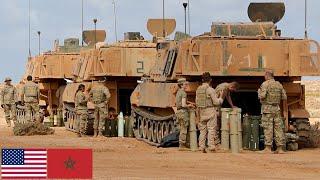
[[267, 150], [211, 150], [279, 150], [183, 147], [203, 150]]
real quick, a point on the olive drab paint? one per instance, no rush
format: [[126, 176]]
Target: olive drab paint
[[193, 131], [234, 141], [225, 128]]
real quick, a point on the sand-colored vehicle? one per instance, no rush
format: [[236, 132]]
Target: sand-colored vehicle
[[118, 66], [230, 52], [52, 69]]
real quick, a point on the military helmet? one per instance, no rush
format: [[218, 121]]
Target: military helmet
[[182, 80], [7, 79]]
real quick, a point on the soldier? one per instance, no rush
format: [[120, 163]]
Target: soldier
[[81, 108], [182, 112], [100, 96], [207, 102], [223, 90], [8, 101], [30, 96], [270, 94]]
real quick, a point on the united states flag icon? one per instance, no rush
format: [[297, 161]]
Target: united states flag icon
[[24, 164]]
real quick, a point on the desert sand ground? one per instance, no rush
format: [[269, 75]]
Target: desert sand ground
[[123, 158]]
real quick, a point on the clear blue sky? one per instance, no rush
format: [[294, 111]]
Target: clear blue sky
[[60, 19]]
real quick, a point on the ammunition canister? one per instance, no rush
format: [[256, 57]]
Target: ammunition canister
[[193, 131], [246, 126], [254, 140], [234, 132], [225, 128], [238, 111]]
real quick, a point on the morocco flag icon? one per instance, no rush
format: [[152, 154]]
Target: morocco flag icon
[[69, 164]]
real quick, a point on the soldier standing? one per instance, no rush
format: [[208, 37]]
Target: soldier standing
[[81, 108], [182, 111], [224, 90], [8, 101], [30, 96], [270, 94], [100, 96], [207, 101]]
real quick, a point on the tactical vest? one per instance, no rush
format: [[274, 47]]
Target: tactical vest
[[98, 96], [273, 96], [31, 90], [203, 100]]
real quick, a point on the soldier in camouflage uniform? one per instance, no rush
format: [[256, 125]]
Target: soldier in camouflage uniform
[[182, 112], [207, 103], [100, 96], [30, 96], [81, 109], [270, 94], [8, 101], [224, 90]]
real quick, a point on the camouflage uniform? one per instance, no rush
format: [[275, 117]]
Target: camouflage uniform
[[182, 117], [8, 101], [100, 96], [207, 101], [221, 88], [30, 96], [270, 94], [81, 110]]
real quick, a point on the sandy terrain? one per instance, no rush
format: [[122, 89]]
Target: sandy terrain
[[130, 159]]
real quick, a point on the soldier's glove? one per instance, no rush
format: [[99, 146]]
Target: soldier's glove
[[2, 105]]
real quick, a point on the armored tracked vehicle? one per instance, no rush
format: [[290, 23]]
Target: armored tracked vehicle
[[50, 70], [118, 66], [239, 52]]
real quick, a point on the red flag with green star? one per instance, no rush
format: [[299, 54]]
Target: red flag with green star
[[69, 163]]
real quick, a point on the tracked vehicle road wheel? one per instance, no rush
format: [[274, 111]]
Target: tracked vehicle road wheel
[[149, 133], [151, 127], [159, 132], [303, 131], [145, 128], [165, 129], [154, 132], [139, 125]]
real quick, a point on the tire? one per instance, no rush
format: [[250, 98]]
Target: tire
[[303, 131]]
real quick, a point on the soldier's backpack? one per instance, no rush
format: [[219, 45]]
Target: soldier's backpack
[[201, 97], [274, 93], [98, 95], [30, 90]]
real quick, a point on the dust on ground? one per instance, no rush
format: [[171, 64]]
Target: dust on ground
[[125, 158]]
